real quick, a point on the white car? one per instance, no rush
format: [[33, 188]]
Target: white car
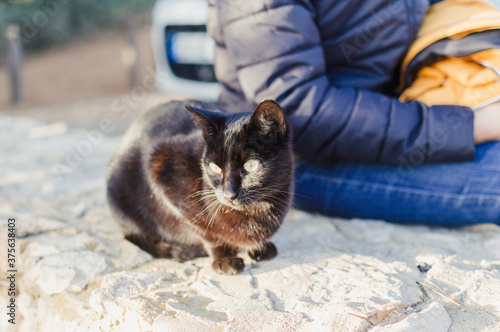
[[183, 52]]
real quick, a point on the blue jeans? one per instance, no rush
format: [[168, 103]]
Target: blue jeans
[[454, 194]]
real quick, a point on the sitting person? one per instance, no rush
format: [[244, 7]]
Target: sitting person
[[334, 67]]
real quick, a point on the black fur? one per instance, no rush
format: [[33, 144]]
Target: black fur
[[172, 202]]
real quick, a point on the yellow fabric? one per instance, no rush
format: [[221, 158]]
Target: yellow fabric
[[469, 81], [455, 81]]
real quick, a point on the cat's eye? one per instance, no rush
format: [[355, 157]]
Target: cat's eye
[[216, 169], [251, 165]]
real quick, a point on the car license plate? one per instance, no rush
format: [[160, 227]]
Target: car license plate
[[191, 48]]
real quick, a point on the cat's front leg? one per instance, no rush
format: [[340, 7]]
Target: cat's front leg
[[225, 260], [267, 251]]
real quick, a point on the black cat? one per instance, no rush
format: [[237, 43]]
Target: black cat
[[181, 190]]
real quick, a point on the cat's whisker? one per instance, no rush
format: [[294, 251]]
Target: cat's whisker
[[203, 192], [281, 209], [284, 191], [200, 193], [212, 203], [272, 190], [282, 205], [278, 201], [210, 223], [205, 202], [275, 191], [266, 194], [206, 196]]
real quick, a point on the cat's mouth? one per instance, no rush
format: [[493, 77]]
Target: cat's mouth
[[236, 205]]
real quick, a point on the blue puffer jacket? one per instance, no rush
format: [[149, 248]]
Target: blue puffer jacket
[[332, 65]]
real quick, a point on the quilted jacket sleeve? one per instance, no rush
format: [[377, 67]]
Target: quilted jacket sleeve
[[276, 50]]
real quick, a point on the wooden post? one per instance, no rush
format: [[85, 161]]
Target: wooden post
[[132, 31], [14, 62]]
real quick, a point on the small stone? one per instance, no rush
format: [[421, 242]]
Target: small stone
[[424, 267]]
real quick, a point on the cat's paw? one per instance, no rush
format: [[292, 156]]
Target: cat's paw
[[228, 265], [268, 251]]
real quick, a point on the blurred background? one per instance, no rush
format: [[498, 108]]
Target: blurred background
[[77, 60], [71, 59], [72, 49]]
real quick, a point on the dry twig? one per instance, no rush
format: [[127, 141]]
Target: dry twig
[[439, 291]]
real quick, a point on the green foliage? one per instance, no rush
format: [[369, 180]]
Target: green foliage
[[47, 22]]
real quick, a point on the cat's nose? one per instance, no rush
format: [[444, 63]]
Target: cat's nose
[[229, 195]]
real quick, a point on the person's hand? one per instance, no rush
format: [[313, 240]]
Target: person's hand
[[487, 124]]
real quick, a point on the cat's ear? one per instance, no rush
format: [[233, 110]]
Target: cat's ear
[[208, 121], [268, 116]]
